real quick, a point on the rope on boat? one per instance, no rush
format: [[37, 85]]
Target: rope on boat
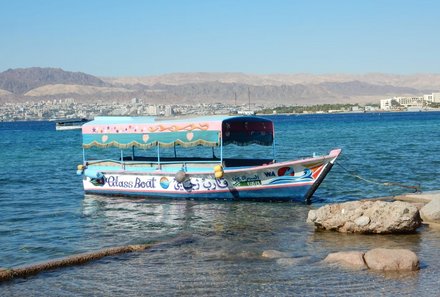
[[387, 184]]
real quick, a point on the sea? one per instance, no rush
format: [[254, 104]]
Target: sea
[[214, 248]]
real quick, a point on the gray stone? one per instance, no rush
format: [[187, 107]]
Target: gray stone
[[312, 216], [362, 221], [431, 211], [352, 259], [289, 261], [367, 217], [274, 254], [391, 260]]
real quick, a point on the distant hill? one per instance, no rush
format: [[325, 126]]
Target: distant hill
[[4, 92], [21, 80], [34, 84], [72, 90], [190, 93], [416, 81]]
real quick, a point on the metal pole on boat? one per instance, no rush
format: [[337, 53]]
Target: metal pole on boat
[[158, 155], [273, 149], [132, 153], [122, 158], [221, 150], [84, 156]]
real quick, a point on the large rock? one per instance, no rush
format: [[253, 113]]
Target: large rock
[[431, 211], [367, 217], [380, 259], [351, 259], [391, 260]]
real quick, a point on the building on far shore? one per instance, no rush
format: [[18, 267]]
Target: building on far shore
[[434, 97], [396, 103]]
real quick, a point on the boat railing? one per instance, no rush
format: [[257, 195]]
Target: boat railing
[[151, 163], [180, 162]]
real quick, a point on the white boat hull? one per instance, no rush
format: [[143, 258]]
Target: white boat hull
[[61, 128], [295, 180]]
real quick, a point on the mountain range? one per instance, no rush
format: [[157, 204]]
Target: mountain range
[[35, 84]]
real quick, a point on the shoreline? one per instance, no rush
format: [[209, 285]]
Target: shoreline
[[257, 114]]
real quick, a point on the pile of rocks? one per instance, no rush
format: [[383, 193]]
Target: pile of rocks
[[378, 259], [378, 217]]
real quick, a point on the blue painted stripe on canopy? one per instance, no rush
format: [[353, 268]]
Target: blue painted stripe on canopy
[[185, 139]]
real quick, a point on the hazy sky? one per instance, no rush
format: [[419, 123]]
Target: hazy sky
[[132, 38]]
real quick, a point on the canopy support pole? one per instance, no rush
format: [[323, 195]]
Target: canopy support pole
[[122, 158], [273, 149], [158, 155], [175, 153], [221, 150], [84, 156], [132, 153]]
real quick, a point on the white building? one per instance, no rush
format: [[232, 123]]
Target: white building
[[168, 110], [397, 102], [153, 110], [408, 102], [434, 97]]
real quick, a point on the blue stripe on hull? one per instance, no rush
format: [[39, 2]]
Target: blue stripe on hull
[[278, 194]]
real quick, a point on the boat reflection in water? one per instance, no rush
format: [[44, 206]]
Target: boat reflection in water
[[152, 220]]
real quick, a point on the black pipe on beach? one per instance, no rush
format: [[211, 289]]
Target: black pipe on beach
[[9, 274]]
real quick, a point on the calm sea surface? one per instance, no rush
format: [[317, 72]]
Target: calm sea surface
[[214, 248]]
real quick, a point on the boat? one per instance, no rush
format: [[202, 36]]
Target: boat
[[140, 157], [70, 124]]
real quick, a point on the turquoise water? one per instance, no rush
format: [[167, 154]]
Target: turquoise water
[[218, 245]]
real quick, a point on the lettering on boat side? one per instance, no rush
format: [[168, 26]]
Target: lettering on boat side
[[246, 180], [196, 184], [269, 174], [137, 183], [163, 182]]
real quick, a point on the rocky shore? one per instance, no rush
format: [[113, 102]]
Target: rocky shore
[[400, 214]]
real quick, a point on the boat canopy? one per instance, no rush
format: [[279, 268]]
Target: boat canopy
[[146, 132]]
